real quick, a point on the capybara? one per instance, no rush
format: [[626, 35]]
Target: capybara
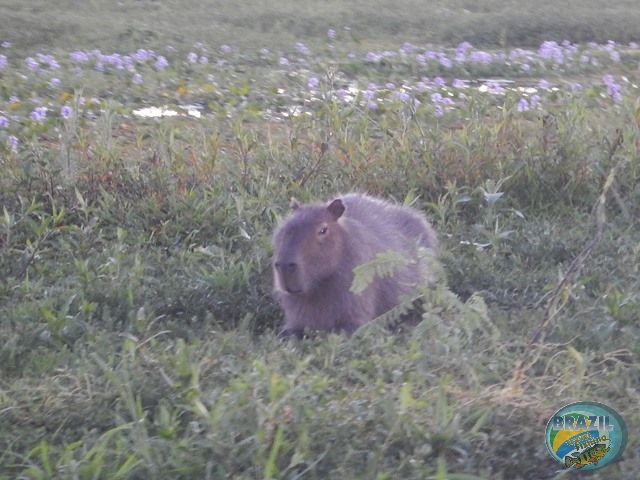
[[319, 245]]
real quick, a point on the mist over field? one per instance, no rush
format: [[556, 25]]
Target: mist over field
[[148, 151]]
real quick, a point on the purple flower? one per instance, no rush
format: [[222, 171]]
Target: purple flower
[[161, 63], [127, 63], [373, 57], [457, 83], [313, 82], [3, 61], [192, 57], [615, 55], [550, 50], [368, 94], [264, 52], [300, 47], [283, 61], [4, 121], [38, 114], [137, 79], [32, 63], [79, 56], [614, 90], [13, 143], [400, 95], [49, 60], [225, 49], [523, 105], [543, 84], [141, 55], [431, 55], [5, 44], [372, 104], [389, 85], [54, 83], [576, 87], [407, 47], [438, 111], [331, 34], [615, 94], [525, 67], [203, 60], [66, 111], [438, 82], [481, 57], [113, 59], [440, 102], [446, 62], [461, 52], [420, 87], [463, 47], [535, 101]]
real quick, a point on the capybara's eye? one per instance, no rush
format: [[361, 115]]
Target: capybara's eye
[[322, 231]]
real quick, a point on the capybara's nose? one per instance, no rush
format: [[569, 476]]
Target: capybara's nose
[[286, 267]]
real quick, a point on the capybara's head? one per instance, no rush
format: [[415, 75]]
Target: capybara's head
[[308, 247]]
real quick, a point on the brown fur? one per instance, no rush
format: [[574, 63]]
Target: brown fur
[[319, 245]]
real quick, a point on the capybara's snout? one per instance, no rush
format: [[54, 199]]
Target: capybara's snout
[[289, 276]]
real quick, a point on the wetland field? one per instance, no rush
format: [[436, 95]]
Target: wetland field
[[148, 150]]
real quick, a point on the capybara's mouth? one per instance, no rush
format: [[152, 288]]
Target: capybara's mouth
[[294, 292]]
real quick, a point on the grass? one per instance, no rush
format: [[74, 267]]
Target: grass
[[136, 319], [129, 25]]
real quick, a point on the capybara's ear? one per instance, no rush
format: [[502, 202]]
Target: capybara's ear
[[294, 204], [336, 208]]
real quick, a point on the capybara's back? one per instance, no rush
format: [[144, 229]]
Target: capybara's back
[[319, 245]]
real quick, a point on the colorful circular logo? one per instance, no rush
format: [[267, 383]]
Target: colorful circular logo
[[586, 435]]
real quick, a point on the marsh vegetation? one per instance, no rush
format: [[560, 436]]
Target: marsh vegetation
[[137, 325]]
